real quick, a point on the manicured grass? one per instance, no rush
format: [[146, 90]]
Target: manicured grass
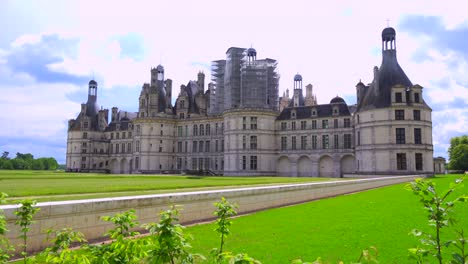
[[53, 186], [335, 228]]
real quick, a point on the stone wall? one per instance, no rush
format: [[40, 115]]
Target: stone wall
[[85, 215]]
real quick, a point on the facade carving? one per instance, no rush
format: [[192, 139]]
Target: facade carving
[[240, 126]]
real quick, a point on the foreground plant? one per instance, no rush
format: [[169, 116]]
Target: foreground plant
[[440, 215], [25, 214], [169, 243], [5, 247], [224, 210]]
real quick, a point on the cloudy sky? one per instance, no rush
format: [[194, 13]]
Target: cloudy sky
[[49, 50]]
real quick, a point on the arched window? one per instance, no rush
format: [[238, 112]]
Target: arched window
[[202, 130], [195, 130]]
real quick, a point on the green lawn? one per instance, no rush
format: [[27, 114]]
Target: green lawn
[[335, 228], [53, 186]]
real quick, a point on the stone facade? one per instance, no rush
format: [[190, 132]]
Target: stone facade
[[240, 126]]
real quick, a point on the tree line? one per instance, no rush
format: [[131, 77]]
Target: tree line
[[458, 153], [26, 161]]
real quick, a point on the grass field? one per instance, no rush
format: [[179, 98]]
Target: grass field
[[335, 228], [54, 186]]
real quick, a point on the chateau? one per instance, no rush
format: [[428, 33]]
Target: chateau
[[240, 126]]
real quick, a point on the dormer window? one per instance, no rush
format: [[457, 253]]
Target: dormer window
[[336, 111], [293, 114], [398, 98], [416, 98], [314, 112]]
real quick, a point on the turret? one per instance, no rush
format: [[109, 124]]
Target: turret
[[115, 111], [201, 81]]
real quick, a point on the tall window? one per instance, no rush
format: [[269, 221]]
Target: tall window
[[117, 148], [253, 162], [284, 143], [399, 114], [400, 136], [253, 122], [401, 161], [85, 135], [179, 131], [222, 145], [194, 146], [416, 114], [244, 162], [253, 142], [419, 161], [117, 135], [325, 124], [283, 125], [335, 123], [293, 142], [207, 146], [398, 98], [417, 136], [347, 141], [347, 122], [416, 97], [186, 147], [335, 141], [303, 142], [244, 123], [202, 130], [314, 124], [314, 142], [293, 125], [216, 145], [303, 125], [179, 147], [325, 142], [359, 138], [112, 135], [138, 130], [200, 146], [194, 163], [137, 162], [208, 128], [137, 147], [216, 130], [195, 130], [244, 142]]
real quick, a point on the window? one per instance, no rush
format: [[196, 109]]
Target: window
[[416, 97], [186, 146], [117, 135], [202, 130], [200, 146], [314, 113], [123, 135], [84, 144], [335, 123], [325, 124], [123, 147], [347, 122], [419, 161], [293, 142], [216, 145], [417, 136], [253, 142], [216, 129], [284, 141], [358, 119], [112, 136], [85, 124], [117, 148], [181, 115], [83, 158], [207, 146], [138, 129], [293, 126], [303, 142], [195, 130], [347, 141], [401, 161], [244, 142], [314, 124], [137, 147], [335, 141], [179, 147], [399, 114], [244, 162], [303, 125], [359, 138], [194, 164], [400, 136], [208, 128], [85, 135], [325, 142], [222, 145], [194, 146], [398, 98], [416, 114], [253, 162], [283, 125], [253, 122], [314, 142], [179, 131], [244, 123]]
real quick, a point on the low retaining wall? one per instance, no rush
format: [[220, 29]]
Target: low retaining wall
[[85, 215]]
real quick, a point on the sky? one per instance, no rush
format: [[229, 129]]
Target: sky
[[49, 50]]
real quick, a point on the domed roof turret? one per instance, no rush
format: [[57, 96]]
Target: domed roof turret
[[337, 100], [160, 68], [297, 77], [388, 33], [92, 82], [251, 52]]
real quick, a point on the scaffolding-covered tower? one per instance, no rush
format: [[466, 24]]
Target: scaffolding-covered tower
[[217, 77], [259, 82]]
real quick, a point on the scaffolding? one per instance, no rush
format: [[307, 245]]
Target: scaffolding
[[217, 77]]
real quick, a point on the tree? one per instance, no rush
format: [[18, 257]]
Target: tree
[[5, 155], [458, 153]]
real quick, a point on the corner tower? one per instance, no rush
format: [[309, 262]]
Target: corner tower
[[393, 126]]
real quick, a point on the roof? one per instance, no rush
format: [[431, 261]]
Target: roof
[[337, 100], [92, 82], [297, 77], [325, 110]]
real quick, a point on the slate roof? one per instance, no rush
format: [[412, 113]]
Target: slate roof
[[324, 110]]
